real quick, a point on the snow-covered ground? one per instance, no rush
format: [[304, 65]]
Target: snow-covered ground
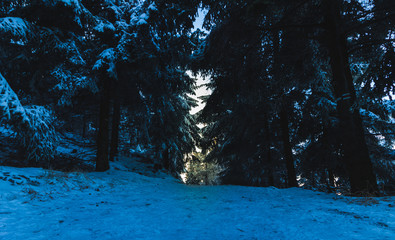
[[120, 204]]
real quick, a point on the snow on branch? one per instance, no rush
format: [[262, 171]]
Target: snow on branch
[[70, 84], [104, 26], [74, 4], [107, 60], [10, 106], [15, 30], [140, 14], [32, 125]]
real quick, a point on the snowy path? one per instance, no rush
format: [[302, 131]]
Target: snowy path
[[126, 205]]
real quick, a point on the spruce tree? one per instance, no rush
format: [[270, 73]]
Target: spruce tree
[[319, 43]]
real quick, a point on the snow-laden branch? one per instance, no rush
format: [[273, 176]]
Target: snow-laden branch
[[10, 106], [32, 124], [15, 30]]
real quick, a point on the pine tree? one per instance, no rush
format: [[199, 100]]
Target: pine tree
[[303, 50], [151, 57], [32, 124]]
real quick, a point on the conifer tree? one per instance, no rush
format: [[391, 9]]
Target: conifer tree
[[319, 43]]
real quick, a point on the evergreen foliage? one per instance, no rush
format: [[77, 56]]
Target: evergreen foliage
[[278, 72], [68, 54], [302, 90], [32, 124]]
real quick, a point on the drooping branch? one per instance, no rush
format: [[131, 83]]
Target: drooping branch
[[32, 125]]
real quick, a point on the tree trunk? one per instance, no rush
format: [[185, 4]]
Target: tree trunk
[[269, 159], [116, 118], [102, 163], [356, 154], [166, 159], [331, 179], [287, 148], [84, 126], [291, 174]]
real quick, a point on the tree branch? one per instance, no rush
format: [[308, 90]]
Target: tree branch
[[362, 45]]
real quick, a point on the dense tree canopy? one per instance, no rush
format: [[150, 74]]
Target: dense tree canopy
[[302, 90], [300, 83], [124, 55]]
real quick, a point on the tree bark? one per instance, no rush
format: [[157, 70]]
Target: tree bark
[[102, 163], [83, 126], [355, 150], [331, 179], [166, 159], [291, 173], [269, 159], [116, 118]]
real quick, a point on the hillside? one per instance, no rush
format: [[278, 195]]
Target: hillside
[[121, 204]]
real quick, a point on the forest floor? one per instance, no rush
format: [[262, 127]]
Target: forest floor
[[126, 204]]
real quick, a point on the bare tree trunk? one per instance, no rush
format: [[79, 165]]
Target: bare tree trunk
[[269, 159], [331, 178], [355, 150], [287, 148], [102, 163], [83, 126], [166, 159], [116, 118]]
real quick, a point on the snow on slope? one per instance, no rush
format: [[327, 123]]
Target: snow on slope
[[120, 204]]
